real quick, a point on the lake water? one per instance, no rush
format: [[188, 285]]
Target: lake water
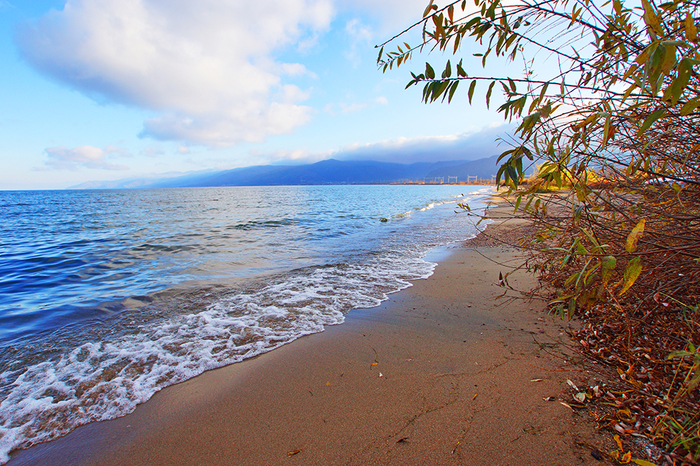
[[106, 297]]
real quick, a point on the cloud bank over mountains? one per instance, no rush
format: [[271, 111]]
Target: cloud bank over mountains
[[468, 146], [63, 158]]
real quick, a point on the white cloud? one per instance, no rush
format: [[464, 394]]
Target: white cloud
[[354, 107], [393, 15], [153, 151], [295, 156], [360, 36], [357, 31], [63, 158], [204, 65], [183, 150], [346, 108], [471, 145], [476, 144], [296, 69]]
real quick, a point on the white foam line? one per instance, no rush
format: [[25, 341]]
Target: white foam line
[[103, 380]]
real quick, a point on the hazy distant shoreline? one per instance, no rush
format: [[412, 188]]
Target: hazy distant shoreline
[[326, 172]]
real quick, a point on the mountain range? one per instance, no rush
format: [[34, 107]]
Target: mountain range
[[329, 171]]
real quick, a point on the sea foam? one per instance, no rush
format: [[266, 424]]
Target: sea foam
[[175, 338]]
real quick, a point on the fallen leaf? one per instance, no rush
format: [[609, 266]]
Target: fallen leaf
[[294, 452], [572, 385], [475, 395], [567, 405], [626, 458], [373, 364], [536, 380], [618, 441], [328, 384], [580, 397], [402, 440], [381, 375], [642, 462]]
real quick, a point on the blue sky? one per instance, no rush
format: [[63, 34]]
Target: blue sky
[[97, 90]]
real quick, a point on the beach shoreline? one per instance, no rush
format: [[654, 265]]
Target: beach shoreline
[[441, 373]]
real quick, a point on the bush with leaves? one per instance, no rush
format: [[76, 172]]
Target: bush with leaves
[[617, 124]]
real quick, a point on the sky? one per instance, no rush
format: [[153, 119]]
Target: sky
[[100, 90]]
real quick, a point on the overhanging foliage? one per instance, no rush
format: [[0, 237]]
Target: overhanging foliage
[[616, 125]]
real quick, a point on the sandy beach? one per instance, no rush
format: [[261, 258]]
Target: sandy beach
[[445, 372]]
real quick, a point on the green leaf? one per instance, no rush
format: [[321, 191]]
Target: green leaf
[[650, 120], [460, 70], [607, 265], [448, 70], [429, 72], [675, 90], [488, 93], [472, 86], [679, 354], [642, 462], [632, 271], [690, 106], [452, 91]]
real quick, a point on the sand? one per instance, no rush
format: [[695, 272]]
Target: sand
[[442, 373]]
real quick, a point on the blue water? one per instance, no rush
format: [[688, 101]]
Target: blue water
[[108, 296]]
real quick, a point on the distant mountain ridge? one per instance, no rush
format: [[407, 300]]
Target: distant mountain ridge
[[329, 171], [337, 172]]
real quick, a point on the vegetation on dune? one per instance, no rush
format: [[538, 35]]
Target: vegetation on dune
[[606, 107]]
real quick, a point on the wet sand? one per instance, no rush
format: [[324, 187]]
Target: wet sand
[[442, 373]]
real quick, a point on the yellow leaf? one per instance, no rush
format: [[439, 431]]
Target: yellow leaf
[[642, 462], [626, 458], [374, 364], [328, 384], [651, 19], [634, 268], [633, 237], [669, 58], [428, 9]]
